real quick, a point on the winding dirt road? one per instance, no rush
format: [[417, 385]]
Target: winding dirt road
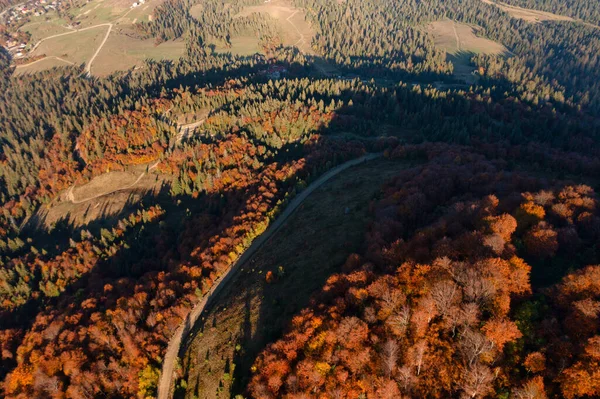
[[88, 67], [174, 347]]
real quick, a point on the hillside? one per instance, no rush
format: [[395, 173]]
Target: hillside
[[146, 148]]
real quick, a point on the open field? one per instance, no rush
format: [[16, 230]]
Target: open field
[[42, 65], [96, 21], [460, 43], [241, 45], [121, 52], [101, 11], [99, 198], [40, 28], [291, 24], [528, 14], [77, 47], [248, 313]]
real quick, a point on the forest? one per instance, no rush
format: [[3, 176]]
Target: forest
[[479, 276], [580, 9], [476, 282]]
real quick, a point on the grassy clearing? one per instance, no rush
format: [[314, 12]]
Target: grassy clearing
[[105, 206], [528, 15], [40, 28], [460, 43], [77, 47], [121, 52], [292, 28], [241, 45], [100, 11], [142, 13], [249, 313], [41, 65]]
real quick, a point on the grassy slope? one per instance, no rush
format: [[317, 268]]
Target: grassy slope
[[310, 247]]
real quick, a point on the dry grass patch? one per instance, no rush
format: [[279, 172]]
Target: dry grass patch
[[77, 47], [121, 52], [460, 43], [455, 37], [291, 24], [99, 198], [249, 313], [39, 29], [41, 65], [100, 11]]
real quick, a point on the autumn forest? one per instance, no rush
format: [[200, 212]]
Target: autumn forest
[[128, 201]]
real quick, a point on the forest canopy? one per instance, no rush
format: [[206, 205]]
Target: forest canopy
[[124, 199]]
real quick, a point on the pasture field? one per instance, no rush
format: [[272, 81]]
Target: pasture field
[[41, 65], [240, 45], [460, 43], [77, 47], [250, 312], [121, 52], [291, 25], [40, 28], [101, 11]]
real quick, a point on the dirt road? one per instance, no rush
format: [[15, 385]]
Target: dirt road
[[45, 58], [174, 347], [88, 67]]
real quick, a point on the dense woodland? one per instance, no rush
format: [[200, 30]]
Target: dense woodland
[[585, 10], [475, 284], [462, 247]]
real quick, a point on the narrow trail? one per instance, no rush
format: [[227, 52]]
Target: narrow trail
[[71, 196], [456, 36], [187, 325], [45, 58], [302, 40], [296, 28], [88, 67]]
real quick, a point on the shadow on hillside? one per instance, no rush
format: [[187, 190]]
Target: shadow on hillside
[[189, 225], [148, 249]]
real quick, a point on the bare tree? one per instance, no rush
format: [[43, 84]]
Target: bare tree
[[48, 384], [533, 389], [417, 355], [474, 344], [445, 294], [477, 381], [475, 287], [469, 314], [495, 242], [389, 357], [392, 298], [406, 378], [399, 320]]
